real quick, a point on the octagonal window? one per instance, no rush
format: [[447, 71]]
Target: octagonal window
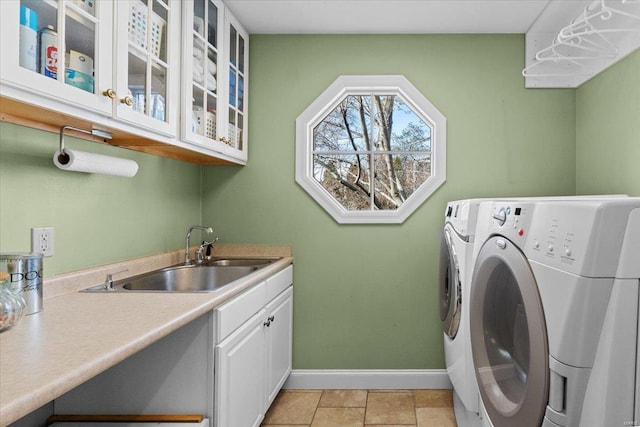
[[370, 149]]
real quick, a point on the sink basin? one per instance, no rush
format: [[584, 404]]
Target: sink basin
[[206, 277], [187, 279]]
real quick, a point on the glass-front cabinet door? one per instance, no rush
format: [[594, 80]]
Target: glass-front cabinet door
[[62, 50], [215, 68], [238, 62], [147, 62], [202, 55]]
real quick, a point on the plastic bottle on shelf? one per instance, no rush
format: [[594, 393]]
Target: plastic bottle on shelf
[[28, 38]]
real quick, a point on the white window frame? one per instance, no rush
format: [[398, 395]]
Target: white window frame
[[365, 85]]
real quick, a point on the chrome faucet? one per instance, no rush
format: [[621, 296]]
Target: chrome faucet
[[209, 230], [108, 282]]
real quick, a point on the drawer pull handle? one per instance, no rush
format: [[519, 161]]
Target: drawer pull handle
[[269, 320]]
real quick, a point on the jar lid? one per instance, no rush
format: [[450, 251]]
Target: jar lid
[[18, 256]]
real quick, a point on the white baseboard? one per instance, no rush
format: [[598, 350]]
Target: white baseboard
[[399, 379]]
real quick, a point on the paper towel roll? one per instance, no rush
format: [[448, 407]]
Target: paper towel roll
[[80, 161]]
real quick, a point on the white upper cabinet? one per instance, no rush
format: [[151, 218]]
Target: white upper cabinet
[[147, 62], [36, 32], [121, 72], [215, 64], [118, 59]]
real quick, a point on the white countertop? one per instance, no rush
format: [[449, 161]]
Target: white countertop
[[79, 335]]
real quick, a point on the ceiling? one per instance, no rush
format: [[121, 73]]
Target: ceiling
[[387, 16]]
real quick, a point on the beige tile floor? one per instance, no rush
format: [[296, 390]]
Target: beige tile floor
[[361, 408]]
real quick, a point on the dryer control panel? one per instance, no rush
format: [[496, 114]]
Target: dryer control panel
[[512, 220], [462, 215]]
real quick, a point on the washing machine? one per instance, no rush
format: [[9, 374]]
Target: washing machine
[[543, 277], [456, 249]]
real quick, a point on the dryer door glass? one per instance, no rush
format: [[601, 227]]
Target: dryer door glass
[[508, 336], [450, 286]]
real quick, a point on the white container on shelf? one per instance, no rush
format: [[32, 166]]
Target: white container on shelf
[[28, 38], [138, 28]]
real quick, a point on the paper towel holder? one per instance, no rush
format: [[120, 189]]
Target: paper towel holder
[[63, 158]]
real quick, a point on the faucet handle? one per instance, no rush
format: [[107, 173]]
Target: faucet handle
[[210, 244], [108, 282], [206, 247]]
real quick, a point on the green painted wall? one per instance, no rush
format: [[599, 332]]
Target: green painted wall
[[97, 219], [608, 130], [367, 295]]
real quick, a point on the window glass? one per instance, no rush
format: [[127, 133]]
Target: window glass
[[370, 151]]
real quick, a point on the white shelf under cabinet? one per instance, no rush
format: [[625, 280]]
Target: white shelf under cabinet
[[573, 41], [203, 423]]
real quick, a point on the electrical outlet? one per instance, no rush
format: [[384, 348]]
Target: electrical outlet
[[42, 241]]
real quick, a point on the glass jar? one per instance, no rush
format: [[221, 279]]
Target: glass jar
[[12, 307]]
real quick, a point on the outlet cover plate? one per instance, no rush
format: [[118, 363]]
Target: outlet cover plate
[[42, 241]]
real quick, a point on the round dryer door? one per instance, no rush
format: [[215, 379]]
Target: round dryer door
[[450, 286], [508, 336]]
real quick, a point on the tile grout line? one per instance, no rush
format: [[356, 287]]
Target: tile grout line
[[366, 407]]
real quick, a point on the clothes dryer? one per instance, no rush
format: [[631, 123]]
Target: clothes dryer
[[542, 279], [456, 249]]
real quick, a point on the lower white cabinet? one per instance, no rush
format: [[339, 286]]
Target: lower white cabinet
[[279, 343], [254, 361], [240, 365]]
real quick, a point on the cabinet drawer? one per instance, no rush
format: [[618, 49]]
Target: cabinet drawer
[[234, 313], [279, 282]]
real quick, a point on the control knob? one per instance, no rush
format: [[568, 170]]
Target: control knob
[[500, 217]]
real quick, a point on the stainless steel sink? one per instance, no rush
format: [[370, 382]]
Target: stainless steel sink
[[205, 277], [187, 279]]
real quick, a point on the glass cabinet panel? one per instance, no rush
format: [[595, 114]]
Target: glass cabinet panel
[[58, 39], [237, 79], [204, 75], [147, 58]]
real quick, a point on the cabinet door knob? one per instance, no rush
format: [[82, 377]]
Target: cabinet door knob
[[271, 318], [267, 323], [109, 93], [127, 100]]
